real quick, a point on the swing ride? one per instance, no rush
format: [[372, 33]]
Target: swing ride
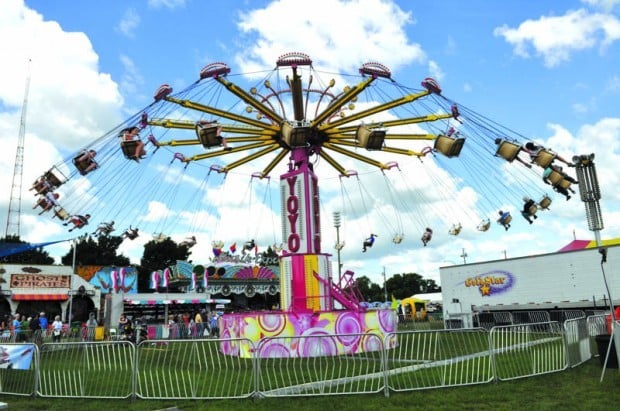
[[294, 117]]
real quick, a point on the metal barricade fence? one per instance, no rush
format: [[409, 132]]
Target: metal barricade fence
[[597, 325], [528, 317], [86, 369], [320, 365], [577, 341], [527, 349], [193, 369], [442, 358], [199, 369]]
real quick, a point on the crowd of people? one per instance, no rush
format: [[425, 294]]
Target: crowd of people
[[27, 328]]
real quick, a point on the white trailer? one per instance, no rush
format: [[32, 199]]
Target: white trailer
[[557, 281]]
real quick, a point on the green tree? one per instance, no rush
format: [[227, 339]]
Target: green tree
[[102, 251], [32, 256], [157, 256], [406, 285], [370, 290]]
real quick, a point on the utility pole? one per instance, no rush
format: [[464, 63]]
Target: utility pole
[[338, 244], [384, 285], [590, 194], [15, 202], [464, 256]]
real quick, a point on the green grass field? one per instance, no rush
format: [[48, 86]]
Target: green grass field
[[574, 389]]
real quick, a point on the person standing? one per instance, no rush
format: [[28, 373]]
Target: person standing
[[17, 327], [43, 321], [91, 325], [35, 328], [56, 329]]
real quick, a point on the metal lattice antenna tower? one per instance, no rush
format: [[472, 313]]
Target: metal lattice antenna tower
[[15, 202]]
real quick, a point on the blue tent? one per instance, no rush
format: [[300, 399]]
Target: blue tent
[[15, 248]]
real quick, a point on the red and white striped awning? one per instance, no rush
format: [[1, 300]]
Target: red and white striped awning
[[39, 297]]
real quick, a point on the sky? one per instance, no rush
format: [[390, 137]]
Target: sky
[[547, 70]]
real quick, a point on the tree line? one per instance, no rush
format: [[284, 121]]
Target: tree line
[[161, 253]]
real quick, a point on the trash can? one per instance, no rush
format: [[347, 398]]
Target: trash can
[[602, 342]]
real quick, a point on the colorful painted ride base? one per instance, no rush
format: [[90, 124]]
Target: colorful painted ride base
[[288, 334]]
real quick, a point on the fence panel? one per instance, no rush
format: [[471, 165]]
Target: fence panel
[[577, 341], [527, 349], [318, 368], [18, 368], [193, 369], [440, 358], [86, 369], [528, 317]]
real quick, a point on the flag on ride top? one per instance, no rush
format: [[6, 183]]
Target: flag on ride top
[[154, 280], [192, 285], [205, 279], [114, 280], [121, 279], [165, 280], [233, 248], [217, 251]]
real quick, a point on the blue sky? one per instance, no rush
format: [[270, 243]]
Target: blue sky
[[545, 69]]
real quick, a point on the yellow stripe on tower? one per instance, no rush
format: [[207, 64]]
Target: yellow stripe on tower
[[313, 290]]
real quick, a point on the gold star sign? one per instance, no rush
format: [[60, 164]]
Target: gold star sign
[[485, 290]]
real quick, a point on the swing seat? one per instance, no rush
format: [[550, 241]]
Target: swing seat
[[557, 180], [295, 136], [455, 230], [129, 149], [484, 225], [506, 220], [370, 139], [398, 238], [84, 164], [55, 177], [61, 213], [45, 206], [449, 146], [544, 158], [508, 150], [532, 209], [208, 135], [544, 203]]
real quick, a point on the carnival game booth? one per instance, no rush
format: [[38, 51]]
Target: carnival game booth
[[155, 308], [53, 289]]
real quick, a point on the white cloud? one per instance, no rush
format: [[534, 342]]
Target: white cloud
[[606, 5], [129, 22], [168, 4], [132, 81], [556, 38], [373, 30], [70, 101]]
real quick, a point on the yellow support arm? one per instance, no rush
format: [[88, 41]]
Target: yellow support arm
[[323, 154], [251, 157], [236, 90], [338, 103], [386, 149], [190, 125], [274, 162], [390, 123], [221, 113], [374, 110], [232, 150], [354, 155]]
